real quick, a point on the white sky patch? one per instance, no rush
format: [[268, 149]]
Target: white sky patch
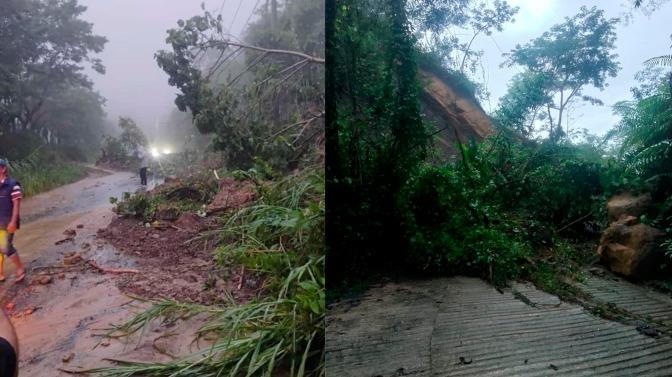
[[532, 16], [645, 37]]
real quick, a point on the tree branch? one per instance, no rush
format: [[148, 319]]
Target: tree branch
[[464, 58], [574, 91], [309, 58]]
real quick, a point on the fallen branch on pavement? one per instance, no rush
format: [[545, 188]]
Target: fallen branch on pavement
[[112, 270]]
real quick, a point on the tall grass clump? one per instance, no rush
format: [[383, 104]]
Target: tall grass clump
[[43, 170], [281, 237]]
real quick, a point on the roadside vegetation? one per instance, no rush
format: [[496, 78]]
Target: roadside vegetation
[[40, 167], [51, 119], [526, 202], [42, 171]]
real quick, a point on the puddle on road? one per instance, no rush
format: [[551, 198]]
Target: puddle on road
[[106, 255]]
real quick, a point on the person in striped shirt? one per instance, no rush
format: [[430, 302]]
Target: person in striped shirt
[[10, 221]]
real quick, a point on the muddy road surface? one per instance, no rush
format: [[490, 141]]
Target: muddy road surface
[[61, 313]]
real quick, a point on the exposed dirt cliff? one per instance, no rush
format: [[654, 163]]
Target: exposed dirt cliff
[[457, 114]]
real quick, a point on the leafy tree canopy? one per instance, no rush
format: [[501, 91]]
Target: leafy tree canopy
[[261, 97], [519, 107], [570, 56], [43, 47], [439, 22]]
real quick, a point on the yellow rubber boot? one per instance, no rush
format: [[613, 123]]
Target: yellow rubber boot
[[4, 240]]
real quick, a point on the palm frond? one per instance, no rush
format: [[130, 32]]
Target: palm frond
[[664, 60]]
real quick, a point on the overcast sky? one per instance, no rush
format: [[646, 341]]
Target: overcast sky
[[134, 85], [643, 38]]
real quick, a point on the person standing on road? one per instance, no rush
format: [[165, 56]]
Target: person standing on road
[[10, 221], [144, 164]]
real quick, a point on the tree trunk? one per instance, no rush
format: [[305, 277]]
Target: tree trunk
[[274, 13], [332, 148], [558, 129], [464, 58]]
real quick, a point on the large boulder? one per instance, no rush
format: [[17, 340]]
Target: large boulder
[[627, 204], [632, 249]]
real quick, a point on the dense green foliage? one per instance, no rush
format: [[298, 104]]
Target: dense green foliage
[[452, 227], [491, 211], [380, 138], [43, 90], [646, 132]]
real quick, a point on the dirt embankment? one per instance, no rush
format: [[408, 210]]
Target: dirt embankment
[[173, 264], [459, 116], [176, 256]]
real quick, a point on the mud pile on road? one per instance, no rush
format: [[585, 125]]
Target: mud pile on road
[[171, 243]]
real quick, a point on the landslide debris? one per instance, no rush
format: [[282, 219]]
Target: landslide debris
[[170, 232]]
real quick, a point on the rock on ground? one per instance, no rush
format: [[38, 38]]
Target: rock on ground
[[627, 247], [627, 204]]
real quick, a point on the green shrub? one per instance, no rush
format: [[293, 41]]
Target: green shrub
[[489, 212], [560, 187], [553, 184], [141, 205], [451, 227]]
